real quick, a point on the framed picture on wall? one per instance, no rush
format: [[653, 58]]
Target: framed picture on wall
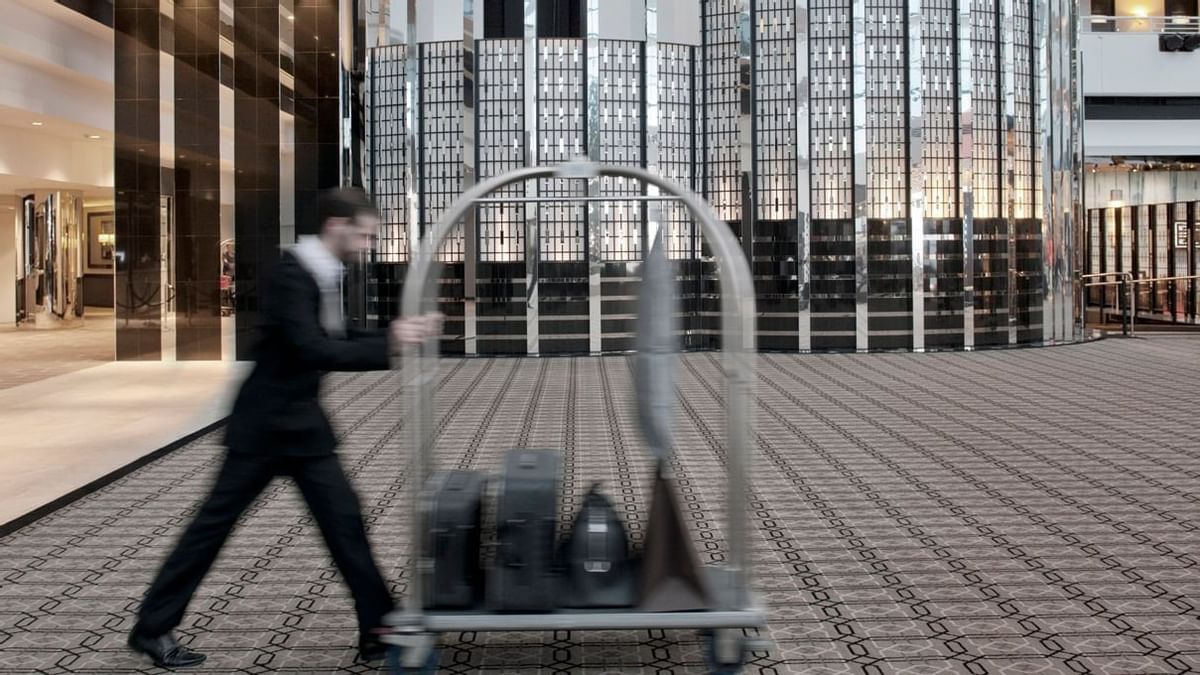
[[101, 235]]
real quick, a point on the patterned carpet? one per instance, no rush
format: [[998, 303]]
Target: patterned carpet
[[995, 512]]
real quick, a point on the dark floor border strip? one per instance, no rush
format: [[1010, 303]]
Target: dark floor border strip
[[110, 477]]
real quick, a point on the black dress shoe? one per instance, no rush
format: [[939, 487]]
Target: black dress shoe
[[370, 649], [165, 650]]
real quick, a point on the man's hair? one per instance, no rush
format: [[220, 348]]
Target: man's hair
[[343, 202]]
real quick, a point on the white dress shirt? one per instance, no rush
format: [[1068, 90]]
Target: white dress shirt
[[327, 270]]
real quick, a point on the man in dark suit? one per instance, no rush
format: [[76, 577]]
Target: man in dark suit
[[277, 428]]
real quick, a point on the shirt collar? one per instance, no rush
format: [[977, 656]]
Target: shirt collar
[[320, 262]]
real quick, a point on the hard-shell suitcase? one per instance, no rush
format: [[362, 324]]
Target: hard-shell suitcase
[[452, 575], [521, 578]]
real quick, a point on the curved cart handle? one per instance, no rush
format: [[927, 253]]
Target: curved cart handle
[[420, 362]]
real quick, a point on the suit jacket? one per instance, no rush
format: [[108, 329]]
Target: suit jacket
[[278, 410]]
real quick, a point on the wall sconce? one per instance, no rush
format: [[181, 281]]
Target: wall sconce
[[108, 241]]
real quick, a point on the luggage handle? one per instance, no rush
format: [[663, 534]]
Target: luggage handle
[[597, 543]]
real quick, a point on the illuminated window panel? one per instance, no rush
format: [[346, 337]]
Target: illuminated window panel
[[939, 67], [561, 137], [621, 122], [1110, 240], [986, 102], [500, 130], [1144, 239], [441, 138], [830, 103], [1162, 249], [887, 110], [388, 170], [775, 114], [1023, 85], [1126, 239], [720, 139], [676, 129]]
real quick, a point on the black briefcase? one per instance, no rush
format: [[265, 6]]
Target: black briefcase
[[521, 578], [451, 512]]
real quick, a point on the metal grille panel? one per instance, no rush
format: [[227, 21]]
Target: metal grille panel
[[940, 114], [676, 102], [621, 121], [388, 138], [985, 44], [832, 152], [501, 130], [887, 117], [720, 107], [441, 138], [775, 115], [561, 133]]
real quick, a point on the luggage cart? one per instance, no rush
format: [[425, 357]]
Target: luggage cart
[[411, 633]]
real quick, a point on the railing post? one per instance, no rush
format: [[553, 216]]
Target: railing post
[[1082, 305], [1132, 307], [1121, 308]]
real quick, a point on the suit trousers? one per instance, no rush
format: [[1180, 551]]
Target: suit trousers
[[333, 504]]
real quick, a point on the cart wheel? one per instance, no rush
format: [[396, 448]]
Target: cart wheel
[[725, 651], [395, 663]]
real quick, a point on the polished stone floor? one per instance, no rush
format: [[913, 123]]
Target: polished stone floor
[[30, 355], [64, 432], [995, 512]]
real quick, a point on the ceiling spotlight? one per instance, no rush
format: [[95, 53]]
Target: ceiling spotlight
[[291, 17], [94, 137], [37, 123]]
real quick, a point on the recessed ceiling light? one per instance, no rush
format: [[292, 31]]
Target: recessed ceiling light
[[94, 137], [37, 123]]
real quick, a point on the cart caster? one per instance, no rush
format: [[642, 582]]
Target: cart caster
[[726, 650], [395, 662]]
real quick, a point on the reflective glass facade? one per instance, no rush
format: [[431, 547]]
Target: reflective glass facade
[[902, 175]]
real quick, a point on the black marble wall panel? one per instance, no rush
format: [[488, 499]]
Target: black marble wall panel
[[563, 307], [889, 285], [833, 293], [256, 186], [944, 284], [137, 187], [991, 282], [1027, 297], [318, 116], [253, 70], [450, 304], [197, 179], [500, 308], [776, 284]]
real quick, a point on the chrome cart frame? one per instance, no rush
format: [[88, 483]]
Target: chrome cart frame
[[414, 628]]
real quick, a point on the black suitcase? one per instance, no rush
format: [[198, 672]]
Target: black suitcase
[[452, 512], [521, 578], [598, 570]]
